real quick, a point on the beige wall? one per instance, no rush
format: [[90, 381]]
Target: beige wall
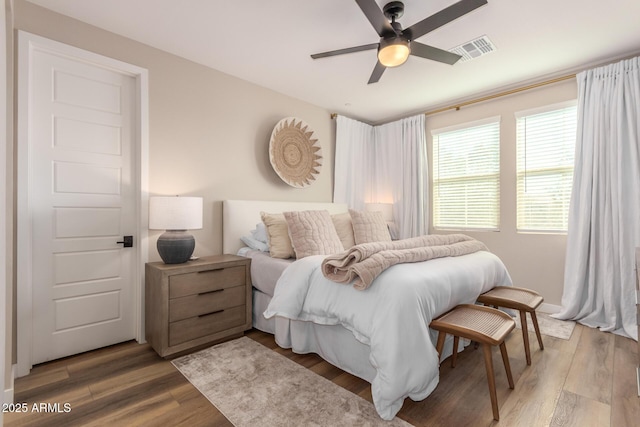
[[534, 261], [208, 131]]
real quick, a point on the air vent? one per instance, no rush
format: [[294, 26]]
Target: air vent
[[474, 48]]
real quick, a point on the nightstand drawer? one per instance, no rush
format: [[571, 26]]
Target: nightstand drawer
[[200, 326], [203, 303], [206, 280]]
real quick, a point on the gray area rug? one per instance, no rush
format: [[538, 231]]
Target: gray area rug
[[549, 326], [252, 386]]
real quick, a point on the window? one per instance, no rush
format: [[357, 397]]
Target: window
[[466, 176], [546, 141]]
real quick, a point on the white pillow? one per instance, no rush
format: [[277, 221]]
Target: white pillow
[[255, 244], [260, 233]]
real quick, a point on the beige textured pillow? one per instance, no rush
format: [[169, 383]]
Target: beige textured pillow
[[369, 227], [279, 242], [312, 233], [342, 222]]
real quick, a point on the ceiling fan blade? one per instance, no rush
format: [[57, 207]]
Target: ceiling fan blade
[[433, 53], [373, 13], [377, 73], [347, 50], [443, 17]]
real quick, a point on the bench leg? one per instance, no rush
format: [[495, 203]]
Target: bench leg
[[488, 363], [507, 365], [534, 319], [454, 356], [525, 335], [440, 344]]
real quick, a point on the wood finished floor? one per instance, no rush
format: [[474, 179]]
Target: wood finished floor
[[586, 381]]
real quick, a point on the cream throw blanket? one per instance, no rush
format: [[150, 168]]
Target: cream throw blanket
[[364, 262]]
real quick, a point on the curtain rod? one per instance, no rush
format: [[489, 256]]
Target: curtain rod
[[529, 87], [493, 96], [501, 94]]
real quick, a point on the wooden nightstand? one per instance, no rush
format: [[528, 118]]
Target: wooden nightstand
[[196, 303]]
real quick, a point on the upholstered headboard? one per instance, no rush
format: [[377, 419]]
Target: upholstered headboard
[[241, 216]]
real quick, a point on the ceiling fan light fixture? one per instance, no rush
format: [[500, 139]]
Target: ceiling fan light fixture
[[396, 44], [393, 52]]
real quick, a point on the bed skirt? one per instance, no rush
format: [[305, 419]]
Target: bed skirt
[[335, 344]]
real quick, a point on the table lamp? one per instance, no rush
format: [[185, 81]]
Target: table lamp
[[176, 215]]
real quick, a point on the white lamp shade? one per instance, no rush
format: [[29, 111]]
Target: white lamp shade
[[175, 213], [385, 208]]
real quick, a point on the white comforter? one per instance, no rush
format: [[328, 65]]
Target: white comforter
[[391, 316]]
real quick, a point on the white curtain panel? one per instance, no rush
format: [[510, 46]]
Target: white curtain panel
[[384, 164], [401, 173], [352, 173], [604, 215]]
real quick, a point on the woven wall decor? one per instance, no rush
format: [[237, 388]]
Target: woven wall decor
[[294, 154]]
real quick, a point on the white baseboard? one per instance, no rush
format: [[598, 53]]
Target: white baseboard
[[8, 393], [8, 396], [549, 308]]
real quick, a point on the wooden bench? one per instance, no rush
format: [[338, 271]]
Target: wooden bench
[[521, 299], [484, 325]]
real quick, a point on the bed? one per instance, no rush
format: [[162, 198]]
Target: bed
[[380, 335]]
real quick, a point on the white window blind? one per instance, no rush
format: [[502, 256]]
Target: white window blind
[[466, 176], [545, 149]]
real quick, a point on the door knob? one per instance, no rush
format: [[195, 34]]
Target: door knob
[[127, 241]]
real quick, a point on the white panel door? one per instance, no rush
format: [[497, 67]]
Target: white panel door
[[82, 197]]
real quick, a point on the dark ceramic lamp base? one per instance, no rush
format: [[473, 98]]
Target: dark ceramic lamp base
[[176, 246]]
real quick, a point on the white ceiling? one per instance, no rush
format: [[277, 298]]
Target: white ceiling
[[269, 43]]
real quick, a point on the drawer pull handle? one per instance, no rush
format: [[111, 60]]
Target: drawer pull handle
[[209, 314], [211, 292], [211, 269]]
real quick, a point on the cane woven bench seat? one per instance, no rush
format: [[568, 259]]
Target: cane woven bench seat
[[484, 325], [521, 299]]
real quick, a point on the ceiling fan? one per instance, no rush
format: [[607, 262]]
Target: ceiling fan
[[397, 44]]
